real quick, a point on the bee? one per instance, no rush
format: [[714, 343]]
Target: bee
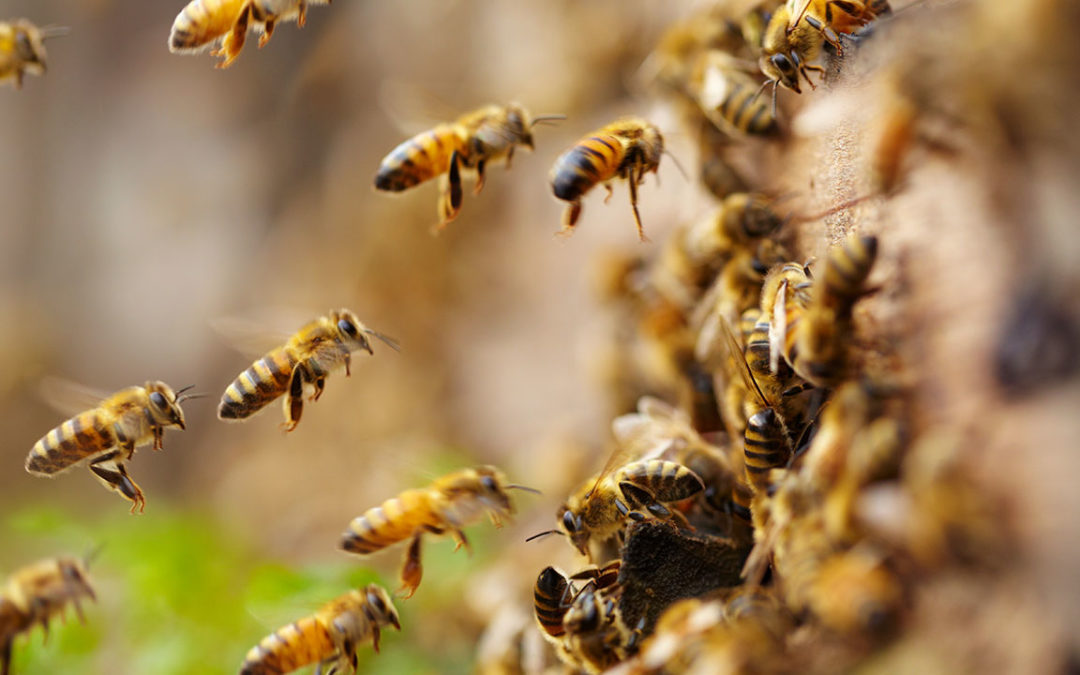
[[447, 505], [22, 49], [203, 23], [304, 362], [108, 435], [36, 593], [727, 96], [628, 148], [329, 637], [471, 142], [796, 32], [554, 592], [600, 508], [810, 328]]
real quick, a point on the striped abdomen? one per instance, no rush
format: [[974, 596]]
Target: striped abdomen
[[550, 601], [286, 649], [846, 269], [88, 433], [745, 111], [595, 159], [394, 520], [765, 447], [418, 159], [665, 481], [260, 384], [202, 22]]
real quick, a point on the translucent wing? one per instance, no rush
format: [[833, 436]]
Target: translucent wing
[[778, 327], [67, 397], [255, 337], [737, 357], [411, 108], [798, 9]]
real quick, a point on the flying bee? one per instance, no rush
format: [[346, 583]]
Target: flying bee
[[447, 505], [108, 435], [795, 34], [471, 142], [329, 637], [600, 509], [22, 49], [205, 23], [36, 593], [304, 362], [628, 149]]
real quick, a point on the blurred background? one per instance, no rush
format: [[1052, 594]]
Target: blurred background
[[148, 195]]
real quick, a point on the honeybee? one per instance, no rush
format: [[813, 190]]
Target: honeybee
[[203, 23], [108, 435], [329, 637], [36, 593], [628, 148], [796, 32], [22, 49], [446, 506], [471, 142], [727, 96], [304, 362]]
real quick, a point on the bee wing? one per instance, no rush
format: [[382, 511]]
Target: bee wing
[[736, 355], [251, 337], [778, 327], [411, 108], [67, 397], [798, 11]]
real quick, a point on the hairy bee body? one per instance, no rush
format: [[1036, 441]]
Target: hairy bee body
[[311, 354], [728, 97], [329, 637], [628, 148], [108, 435], [447, 505], [22, 50], [205, 23], [36, 593], [601, 508], [471, 142]]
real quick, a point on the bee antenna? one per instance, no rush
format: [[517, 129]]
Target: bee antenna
[[761, 89], [775, 84], [92, 554], [678, 165], [546, 119], [545, 533], [188, 397], [514, 486], [181, 391], [51, 31], [390, 342]]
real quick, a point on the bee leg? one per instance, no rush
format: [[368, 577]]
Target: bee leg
[[479, 177], [18, 85], [610, 191], [495, 519], [234, 40], [570, 218], [301, 17], [376, 635], [412, 570], [348, 365], [294, 399], [159, 435], [119, 480], [450, 200], [461, 540], [268, 30], [5, 656], [634, 179], [320, 385], [510, 155]]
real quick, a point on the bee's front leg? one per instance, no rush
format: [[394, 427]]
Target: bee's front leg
[[159, 435]]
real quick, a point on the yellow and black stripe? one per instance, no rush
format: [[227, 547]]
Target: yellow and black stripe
[[765, 447], [846, 269], [86, 434], [286, 649], [203, 21], [550, 601], [595, 159], [745, 111], [266, 379], [394, 520], [418, 159], [665, 481]]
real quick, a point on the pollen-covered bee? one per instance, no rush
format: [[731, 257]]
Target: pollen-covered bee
[[628, 148], [203, 23], [602, 507], [470, 142], [797, 31], [446, 506], [22, 49], [35, 594], [329, 637], [108, 435], [304, 362]]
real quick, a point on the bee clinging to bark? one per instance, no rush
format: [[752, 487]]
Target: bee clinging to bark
[[22, 49], [36, 593], [446, 506], [628, 149], [329, 637], [108, 435], [471, 142], [304, 362], [204, 23]]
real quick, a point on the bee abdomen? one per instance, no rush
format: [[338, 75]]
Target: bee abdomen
[[745, 113], [667, 481], [202, 22], [765, 446], [594, 160], [848, 267], [548, 601], [286, 649], [394, 520], [79, 437], [418, 159], [257, 386]]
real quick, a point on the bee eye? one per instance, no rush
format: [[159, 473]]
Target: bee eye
[[489, 483], [347, 327], [23, 46], [376, 601], [782, 62], [568, 522], [158, 399]]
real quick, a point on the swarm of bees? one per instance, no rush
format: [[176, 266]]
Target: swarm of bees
[[772, 498]]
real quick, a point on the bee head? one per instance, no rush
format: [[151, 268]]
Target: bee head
[[492, 488], [75, 580], [782, 69], [352, 332], [517, 122], [381, 609], [29, 45], [652, 145], [574, 529], [164, 405]]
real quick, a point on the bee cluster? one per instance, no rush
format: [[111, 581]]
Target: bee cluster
[[781, 494]]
